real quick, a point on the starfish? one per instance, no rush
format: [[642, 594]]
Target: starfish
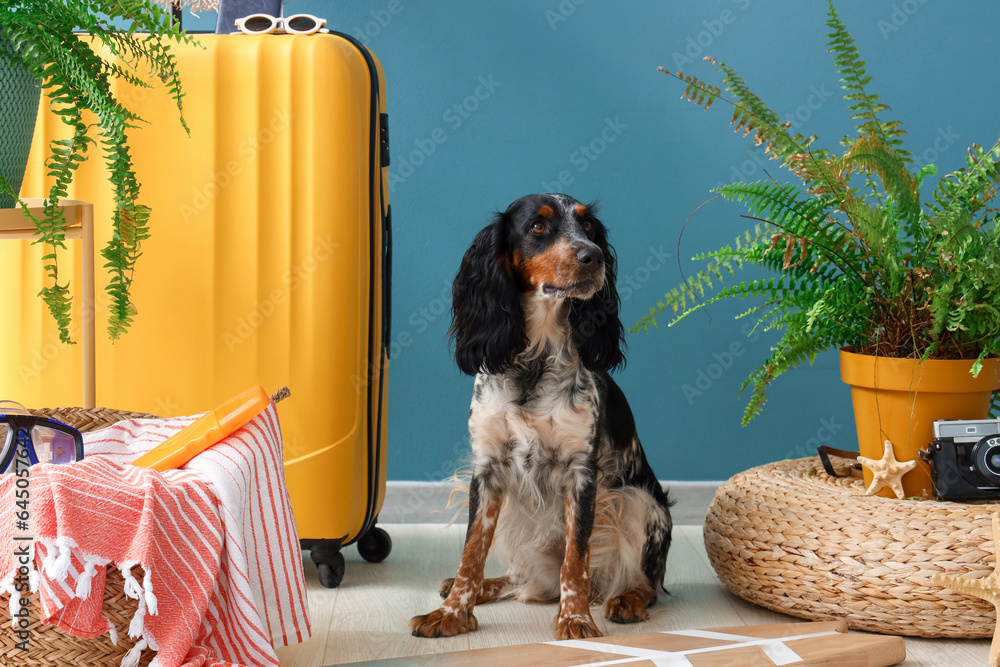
[[887, 471], [986, 588]]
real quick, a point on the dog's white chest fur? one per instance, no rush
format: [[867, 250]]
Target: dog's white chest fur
[[534, 428]]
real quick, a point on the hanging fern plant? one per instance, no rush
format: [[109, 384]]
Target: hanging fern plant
[[45, 38], [860, 258]]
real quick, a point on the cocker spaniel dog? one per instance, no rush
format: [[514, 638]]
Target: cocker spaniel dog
[[559, 477]]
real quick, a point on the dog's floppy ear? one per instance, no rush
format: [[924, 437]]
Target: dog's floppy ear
[[597, 330], [487, 319]]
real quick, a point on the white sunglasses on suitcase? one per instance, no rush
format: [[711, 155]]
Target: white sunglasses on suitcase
[[265, 24]]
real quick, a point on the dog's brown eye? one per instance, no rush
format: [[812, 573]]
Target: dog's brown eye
[[586, 226], [538, 227]]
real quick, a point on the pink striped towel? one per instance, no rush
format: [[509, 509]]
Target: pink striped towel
[[217, 542]]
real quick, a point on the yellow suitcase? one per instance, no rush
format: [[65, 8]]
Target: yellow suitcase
[[269, 263]]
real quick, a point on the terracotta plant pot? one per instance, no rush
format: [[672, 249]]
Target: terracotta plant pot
[[899, 400]]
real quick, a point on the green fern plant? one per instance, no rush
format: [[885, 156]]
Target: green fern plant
[[860, 259], [45, 38]]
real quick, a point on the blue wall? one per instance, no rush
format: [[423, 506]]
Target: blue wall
[[490, 101]]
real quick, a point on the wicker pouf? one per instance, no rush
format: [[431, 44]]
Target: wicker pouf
[[790, 538], [48, 646]]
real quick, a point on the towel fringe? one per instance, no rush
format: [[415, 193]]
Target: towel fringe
[[83, 582], [14, 605], [132, 587], [147, 585], [51, 552], [8, 585], [131, 659], [112, 631], [62, 562], [135, 626]]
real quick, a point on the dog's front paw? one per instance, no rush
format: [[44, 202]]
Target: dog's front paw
[[443, 622], [446, 587], [626, 609], [573, 626]]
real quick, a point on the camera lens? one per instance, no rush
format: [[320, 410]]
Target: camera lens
[[986, 459]]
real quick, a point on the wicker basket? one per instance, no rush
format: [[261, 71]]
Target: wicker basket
[[48, 646], [790, 538]]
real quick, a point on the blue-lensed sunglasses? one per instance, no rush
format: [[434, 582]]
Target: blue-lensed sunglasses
[[45, 440]]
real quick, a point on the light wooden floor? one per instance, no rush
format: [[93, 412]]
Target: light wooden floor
[[366, 618]]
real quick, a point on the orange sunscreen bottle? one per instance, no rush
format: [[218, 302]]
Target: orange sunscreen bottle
[[204, 432]]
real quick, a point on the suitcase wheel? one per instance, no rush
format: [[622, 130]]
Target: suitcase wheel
[[331, 573], [329, 565], [375, 545]]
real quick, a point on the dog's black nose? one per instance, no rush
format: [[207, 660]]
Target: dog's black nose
[[590, 255]]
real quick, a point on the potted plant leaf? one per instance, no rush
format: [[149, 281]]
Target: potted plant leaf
[[906, 285], [43, 48]]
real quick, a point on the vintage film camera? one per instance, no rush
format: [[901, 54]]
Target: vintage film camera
[[965, 459]]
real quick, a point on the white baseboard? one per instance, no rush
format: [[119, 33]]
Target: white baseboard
[[425, 502]]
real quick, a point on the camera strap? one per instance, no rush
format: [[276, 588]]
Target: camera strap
[[851, 470]]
